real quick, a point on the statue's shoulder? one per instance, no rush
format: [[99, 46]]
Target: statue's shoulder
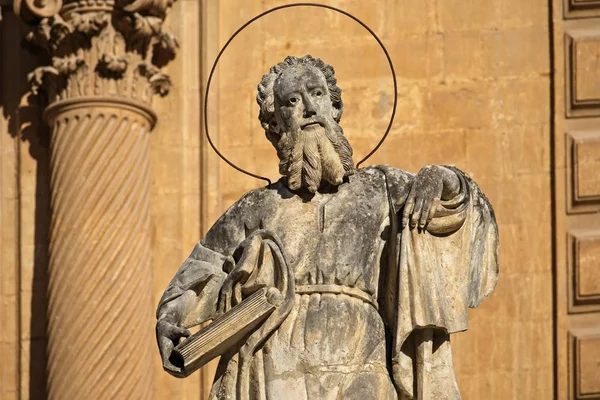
[[256, 197], [394, 176], [260, 197], [398, 181]]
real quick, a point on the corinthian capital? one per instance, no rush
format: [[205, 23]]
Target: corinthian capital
[[100, 47]]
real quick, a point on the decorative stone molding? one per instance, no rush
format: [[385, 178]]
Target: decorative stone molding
[[100, 47], [583, 182], [582, 73], [584, 354], [584, 275], [34, 9], [581, 8], [105, 65]]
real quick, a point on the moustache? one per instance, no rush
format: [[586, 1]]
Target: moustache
[[312, 121]]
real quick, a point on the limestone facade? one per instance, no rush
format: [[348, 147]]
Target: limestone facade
[[497, 88]]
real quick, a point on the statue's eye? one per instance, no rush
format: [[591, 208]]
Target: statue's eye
[[293, 100], [318, 93]]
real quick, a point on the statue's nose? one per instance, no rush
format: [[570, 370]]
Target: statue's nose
[[309, 106]]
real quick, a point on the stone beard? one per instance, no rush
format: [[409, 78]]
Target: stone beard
[[319, 151], [375, 267]]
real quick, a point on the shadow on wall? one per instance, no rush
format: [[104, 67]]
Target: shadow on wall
[[23, 111]]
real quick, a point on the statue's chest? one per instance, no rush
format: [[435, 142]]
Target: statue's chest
[[356, 206], [348, 211], [334, 237]]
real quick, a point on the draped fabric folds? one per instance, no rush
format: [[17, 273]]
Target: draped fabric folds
[[442, 271], [360, 291]]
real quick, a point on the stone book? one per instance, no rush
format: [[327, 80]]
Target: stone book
[[225, 331]]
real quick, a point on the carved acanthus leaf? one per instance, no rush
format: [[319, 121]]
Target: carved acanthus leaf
[[139, 30], [90, 23], [50, 32], [146, 26], [40, 76], [164, 49], [67, 65], [147, 70], [112, 65], [159, 82], [157, 8], [117, 47]]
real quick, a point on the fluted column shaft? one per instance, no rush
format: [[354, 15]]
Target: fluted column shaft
[[100, 327], [106, 59]]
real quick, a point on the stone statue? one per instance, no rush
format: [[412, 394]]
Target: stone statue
[[376, 266]]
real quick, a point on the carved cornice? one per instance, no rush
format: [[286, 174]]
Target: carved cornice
[[100, 47]]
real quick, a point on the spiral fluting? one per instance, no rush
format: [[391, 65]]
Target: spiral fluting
[[100, 326]]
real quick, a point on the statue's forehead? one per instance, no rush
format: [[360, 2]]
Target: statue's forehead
[[297, 77]]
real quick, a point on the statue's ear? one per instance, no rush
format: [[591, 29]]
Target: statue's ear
[[275, 125], [271, 122], [273, 137], [273, 129], [336, 113]]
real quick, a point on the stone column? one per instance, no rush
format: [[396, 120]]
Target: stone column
[[105, 68]]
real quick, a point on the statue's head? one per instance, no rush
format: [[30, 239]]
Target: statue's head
[[300, 109]]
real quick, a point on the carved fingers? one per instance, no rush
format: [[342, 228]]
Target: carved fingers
[[424, 197], [225, 302], [168, 336], [230, 295]]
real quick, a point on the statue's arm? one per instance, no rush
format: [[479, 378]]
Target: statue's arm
[[446, 261], [192, 295]]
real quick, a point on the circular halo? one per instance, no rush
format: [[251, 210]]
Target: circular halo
[[387, 131]]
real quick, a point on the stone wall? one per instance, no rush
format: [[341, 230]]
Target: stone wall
[[474, 91]]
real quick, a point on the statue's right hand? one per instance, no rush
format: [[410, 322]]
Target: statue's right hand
[[168, 335], [226, 296]]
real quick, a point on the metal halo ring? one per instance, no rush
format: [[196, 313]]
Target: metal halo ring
[[389, 127]]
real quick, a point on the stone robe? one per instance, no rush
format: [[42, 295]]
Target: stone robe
[[361, 286]]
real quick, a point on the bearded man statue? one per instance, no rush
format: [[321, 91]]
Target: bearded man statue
[[377, 266]]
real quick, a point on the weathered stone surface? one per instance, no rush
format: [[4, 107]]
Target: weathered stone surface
[[376, 266]]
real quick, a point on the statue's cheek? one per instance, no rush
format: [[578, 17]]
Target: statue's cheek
[[286, 113]]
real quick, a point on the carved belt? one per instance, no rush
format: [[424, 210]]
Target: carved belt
[[338, 289]]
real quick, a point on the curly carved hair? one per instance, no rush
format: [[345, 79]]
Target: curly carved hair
[[266, 97]]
